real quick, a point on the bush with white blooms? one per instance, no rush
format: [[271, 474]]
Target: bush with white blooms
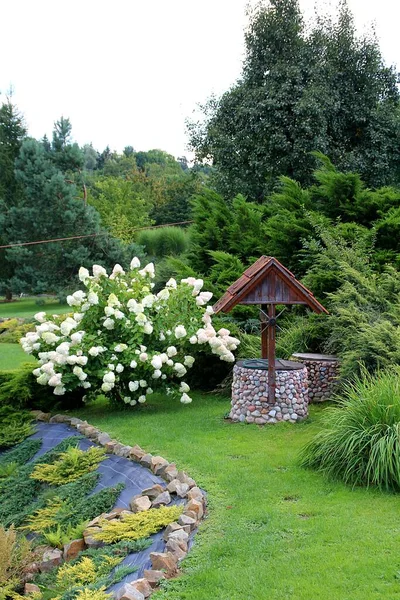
[[122, 340]]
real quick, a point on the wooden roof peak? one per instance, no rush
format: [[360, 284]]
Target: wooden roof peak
[[267, 281]]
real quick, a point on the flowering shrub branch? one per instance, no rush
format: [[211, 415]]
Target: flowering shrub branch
[[124, 341]]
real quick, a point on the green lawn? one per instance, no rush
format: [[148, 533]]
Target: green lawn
[[274, 530], [12, 356], [27, 307]]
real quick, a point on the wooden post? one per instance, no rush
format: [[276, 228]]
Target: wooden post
[[264, 331], [271, 354]]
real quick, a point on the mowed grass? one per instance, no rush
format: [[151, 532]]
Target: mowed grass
[[27, 307], [12, 356], [274, 530]]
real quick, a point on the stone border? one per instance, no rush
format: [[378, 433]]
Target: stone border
[[164, 564]]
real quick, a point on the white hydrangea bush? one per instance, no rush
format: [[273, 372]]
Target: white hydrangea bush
[[122, 340]]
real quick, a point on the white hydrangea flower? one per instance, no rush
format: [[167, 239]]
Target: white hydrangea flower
[[133, 364], [119, 368], [143, 383], [120, 347], [148, 269], [113, 301], [162, 337], [185, 399], [36, 372], [157, 374], [156, 362], [133, 402], [135, 263], [109, 377], [171, 283], [172, 351], [40, 316], [119, 315], [180, 332], [143, 357], [180, 369], [55, 380], [109, 323], [109, 311], [93, 298], [107, 387], [50, 338], [163, 294], [149, 391], [148, 301], [141, 318], [43, 379], [59, 390], [148, 328], [170, 362], [184, 387], [83, 274], [193, 339], [142, 399], [188, 362], [133, 386], [76, 337], [86, 384], [99, 271], [117, 270]]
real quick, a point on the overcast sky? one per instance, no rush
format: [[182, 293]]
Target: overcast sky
[[128, 72]]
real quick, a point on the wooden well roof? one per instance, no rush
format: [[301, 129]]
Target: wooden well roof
[[267, 281]]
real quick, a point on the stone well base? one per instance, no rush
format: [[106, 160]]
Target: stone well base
[[250, 394], [323, 372]]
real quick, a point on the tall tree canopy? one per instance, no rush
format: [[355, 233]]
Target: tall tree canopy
[[302, 88]]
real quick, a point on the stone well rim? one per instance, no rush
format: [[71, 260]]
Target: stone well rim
[[261, 364], [316, 357]]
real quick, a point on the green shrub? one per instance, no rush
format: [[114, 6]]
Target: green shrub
[[59, 536], [15, 556], [21, 454], [138, 525], [70, 466], [13, 330], [164, 241], [19, 389], [360, 443], [15, 426]]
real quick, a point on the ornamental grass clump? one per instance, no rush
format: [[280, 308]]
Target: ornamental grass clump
[[360, 443], [124, 341], [138, 525], [70, 466]]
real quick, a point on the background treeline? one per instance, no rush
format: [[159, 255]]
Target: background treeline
[[300, 159]]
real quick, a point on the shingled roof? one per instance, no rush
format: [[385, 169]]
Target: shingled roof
[[267, 281]]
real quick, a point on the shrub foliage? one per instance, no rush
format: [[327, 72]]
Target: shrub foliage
[[360, 443]]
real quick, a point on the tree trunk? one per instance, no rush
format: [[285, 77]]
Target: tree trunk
[[9, 295]]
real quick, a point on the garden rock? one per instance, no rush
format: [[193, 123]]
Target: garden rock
[[136, 453], [161, 500], [197, 507], [195, 494], [158, 462], [170, 528], [163, 561], [184, 520], [103, 439], [154, 491], [146, 460], [59, 419], [72, 549], [128, 592], [153, 577], [170, 472], [175, 549], [31, 588], [109, 446], [121, 450], [142, 586], [181, 537], [90, 541], [51, 558], [140, 504]]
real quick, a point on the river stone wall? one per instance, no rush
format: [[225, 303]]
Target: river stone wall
[[250, 396], [323, 372]]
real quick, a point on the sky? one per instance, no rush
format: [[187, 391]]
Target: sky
[[129, 72]]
